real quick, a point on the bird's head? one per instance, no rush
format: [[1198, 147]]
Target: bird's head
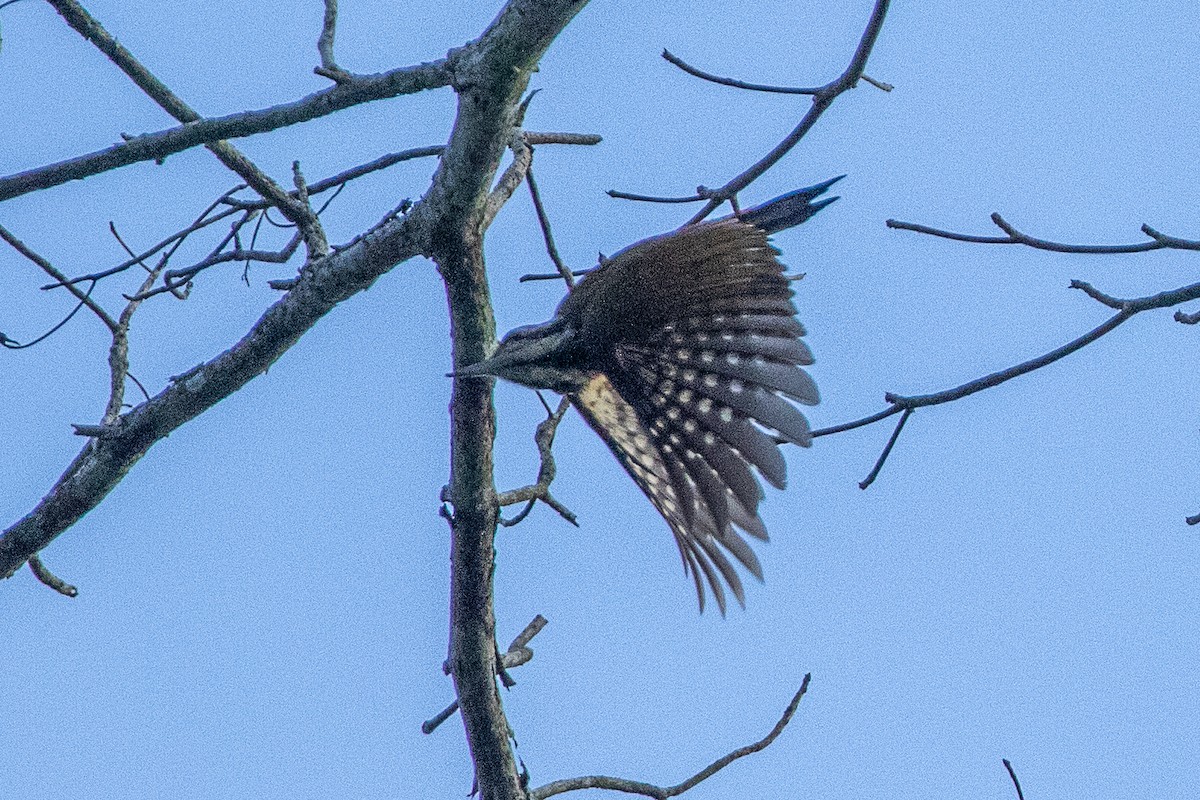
[[541, 356]]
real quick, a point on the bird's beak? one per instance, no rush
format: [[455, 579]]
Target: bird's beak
[[481, 370], [504, 358]]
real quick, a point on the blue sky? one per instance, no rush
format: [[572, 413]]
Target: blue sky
[[263, 600]]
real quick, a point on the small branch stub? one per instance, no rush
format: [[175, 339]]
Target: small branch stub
[[48, 578], [518, 653]]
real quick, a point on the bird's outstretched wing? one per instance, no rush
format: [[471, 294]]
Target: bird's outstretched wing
[[704, 358]]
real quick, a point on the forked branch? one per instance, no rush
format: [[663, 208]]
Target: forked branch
[[543, 437], [1126, 308], [1158, 241], [822, 99]]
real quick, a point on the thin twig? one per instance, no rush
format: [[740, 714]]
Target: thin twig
[[519, 517], [342, 178], [887, 449], [650, 198], [112, 228], [544, 221], [118, 353], [550, 137], [958, 237], [138, 384], [180, 293], [849, 426], [83, 297], [12, 344], [510, 179], [882, 86], [737, 84], [1012, 773], [663, 792], [553, 276]]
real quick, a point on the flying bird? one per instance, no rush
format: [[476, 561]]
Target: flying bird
[[683, 352]]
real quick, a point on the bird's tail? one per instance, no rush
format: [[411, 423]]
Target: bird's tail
[[789, 209]]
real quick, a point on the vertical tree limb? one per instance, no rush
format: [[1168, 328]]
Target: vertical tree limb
[[490, 78]]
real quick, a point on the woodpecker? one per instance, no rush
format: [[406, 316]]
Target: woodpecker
[[683, 352]]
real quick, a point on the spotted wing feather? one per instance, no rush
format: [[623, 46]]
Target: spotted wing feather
[[669, 483]]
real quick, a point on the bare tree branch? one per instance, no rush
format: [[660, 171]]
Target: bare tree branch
[[322, 284], [663, 792], [490, 77], [333, 182], [820, 101], [157, 146], [1014, 236], [1127, 309], [822, 98], [104, 461], [91, 30]]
